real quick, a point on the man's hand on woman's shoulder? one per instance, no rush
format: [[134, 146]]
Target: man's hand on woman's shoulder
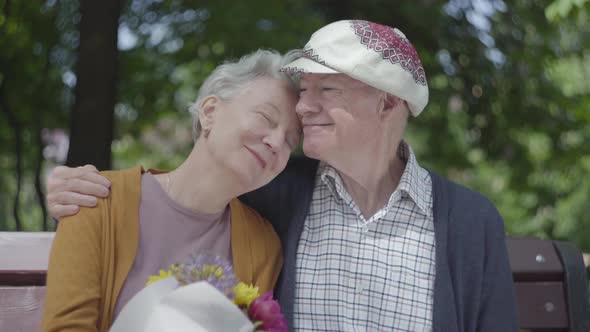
[[68, 188]]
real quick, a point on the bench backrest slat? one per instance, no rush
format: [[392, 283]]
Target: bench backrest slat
[[23, 267], [21, 308], [25, 251]]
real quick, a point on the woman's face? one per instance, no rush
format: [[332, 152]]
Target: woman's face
[[253, 134]]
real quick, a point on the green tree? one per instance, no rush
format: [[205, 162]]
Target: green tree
[[36, 40], [509, 92]]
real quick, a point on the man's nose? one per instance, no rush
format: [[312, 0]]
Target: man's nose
[[307, 105]]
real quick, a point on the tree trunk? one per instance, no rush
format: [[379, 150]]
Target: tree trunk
[[92, 118], [16, 126], [18, 151], [39, 159]]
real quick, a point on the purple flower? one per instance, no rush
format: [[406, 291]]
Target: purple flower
[[215, 270], [267, 311]]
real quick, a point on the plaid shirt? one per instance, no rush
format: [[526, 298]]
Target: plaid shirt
[[355, 274]]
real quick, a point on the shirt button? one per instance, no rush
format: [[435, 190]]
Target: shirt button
[[365, 229]]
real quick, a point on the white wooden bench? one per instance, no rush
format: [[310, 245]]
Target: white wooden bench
[[23, 266]]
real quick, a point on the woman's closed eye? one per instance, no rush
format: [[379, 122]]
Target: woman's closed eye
[[266, 118]]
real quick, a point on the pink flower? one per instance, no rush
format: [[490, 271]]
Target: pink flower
[[267, 311]]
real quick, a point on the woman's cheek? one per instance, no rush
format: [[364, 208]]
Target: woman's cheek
[[281, 161], [253, 127]]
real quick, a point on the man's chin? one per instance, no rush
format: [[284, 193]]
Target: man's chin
[[312, 151]]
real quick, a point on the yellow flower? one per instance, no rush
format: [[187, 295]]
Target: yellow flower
[[163, 275], [212, 270], [245, 294]]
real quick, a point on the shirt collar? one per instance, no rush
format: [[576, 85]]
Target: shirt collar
[[415, 181]]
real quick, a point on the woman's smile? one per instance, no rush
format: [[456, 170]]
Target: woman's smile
[[258, 158]]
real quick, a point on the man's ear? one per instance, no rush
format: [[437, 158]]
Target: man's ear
[[391, 104], [207, 110]]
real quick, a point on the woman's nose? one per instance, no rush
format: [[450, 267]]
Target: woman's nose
[[274, 140]]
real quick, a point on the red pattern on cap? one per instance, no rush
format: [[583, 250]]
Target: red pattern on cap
[[392, 46], [310, 54]]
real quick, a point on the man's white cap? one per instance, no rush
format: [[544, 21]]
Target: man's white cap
[[375, 54]]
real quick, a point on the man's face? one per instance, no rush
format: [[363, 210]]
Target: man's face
[[340, 117]]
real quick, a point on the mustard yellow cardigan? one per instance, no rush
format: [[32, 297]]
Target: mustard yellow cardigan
[[93, 251]]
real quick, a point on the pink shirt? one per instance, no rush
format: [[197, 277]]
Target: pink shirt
[[170, 233]]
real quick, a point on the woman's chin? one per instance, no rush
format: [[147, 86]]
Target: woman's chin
[[249, 179], [251, 175]]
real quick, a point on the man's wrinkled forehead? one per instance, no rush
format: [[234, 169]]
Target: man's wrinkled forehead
[[334, 78]]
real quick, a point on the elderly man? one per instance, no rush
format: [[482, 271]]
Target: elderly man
[[372, 241]]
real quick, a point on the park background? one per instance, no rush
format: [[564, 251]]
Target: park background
[[108, 83]]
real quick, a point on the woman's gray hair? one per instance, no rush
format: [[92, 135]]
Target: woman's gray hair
[[229, 79]]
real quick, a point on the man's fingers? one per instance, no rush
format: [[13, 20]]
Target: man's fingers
[[97, 179], [60, 211], [84, 187], [71, 198], [69, 188], [84, 180], [88, 167], [64, 172]]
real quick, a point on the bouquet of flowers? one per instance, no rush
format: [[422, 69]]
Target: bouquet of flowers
[[201, 294]]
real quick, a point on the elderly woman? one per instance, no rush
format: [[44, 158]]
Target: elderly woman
[[245, 122]]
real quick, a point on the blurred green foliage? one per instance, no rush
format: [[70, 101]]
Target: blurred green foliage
[[509, 91]]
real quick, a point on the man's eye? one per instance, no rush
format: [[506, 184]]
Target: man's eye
[[302, 91]]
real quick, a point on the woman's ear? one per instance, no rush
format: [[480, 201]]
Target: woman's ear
[[207, 112]]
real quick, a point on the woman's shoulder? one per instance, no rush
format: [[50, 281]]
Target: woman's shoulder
[[258, 246], [124, 183], [128, 175], [254, 227], [256, 224]]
